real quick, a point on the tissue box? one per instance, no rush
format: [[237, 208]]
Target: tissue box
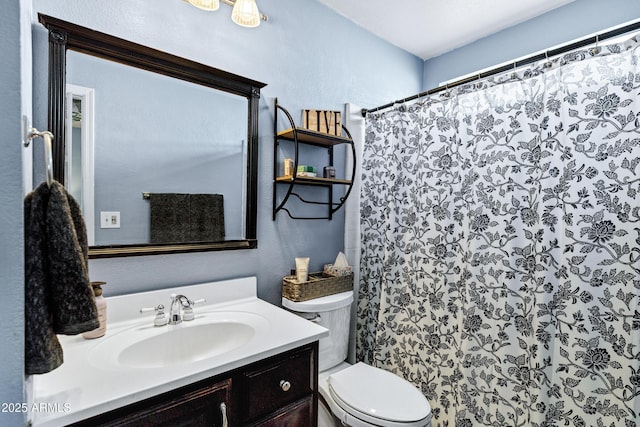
[[332, 270], [319, 285]]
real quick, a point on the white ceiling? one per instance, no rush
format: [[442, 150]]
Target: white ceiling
[[429, 28]]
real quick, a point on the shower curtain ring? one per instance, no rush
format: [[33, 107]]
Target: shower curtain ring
[[446, 94], [548, 63], [596, 49], [478, 84]]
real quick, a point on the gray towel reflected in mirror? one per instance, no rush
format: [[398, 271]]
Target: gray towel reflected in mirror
[[179, 218]]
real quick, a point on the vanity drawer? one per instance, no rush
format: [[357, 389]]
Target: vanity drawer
[[276, 384], [297, 414]]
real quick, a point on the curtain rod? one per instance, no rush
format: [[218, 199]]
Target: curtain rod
[[519, 63]]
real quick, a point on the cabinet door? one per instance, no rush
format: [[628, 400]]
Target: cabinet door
[[208, 406]]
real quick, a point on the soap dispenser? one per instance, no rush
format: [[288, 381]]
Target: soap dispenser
[[101, 304]]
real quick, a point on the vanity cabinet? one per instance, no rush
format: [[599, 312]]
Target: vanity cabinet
[[278, 391], [299, 137]]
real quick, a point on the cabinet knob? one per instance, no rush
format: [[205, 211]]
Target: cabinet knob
[[285, 385]]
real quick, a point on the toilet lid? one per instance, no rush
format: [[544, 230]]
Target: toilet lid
[[378, 394]]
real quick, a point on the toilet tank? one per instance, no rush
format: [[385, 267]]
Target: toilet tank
[[334, 313]]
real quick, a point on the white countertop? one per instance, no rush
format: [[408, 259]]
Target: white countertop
[[82, 388]]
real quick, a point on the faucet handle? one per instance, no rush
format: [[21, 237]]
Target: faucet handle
[[187, 312], [161, 318], [158, 308]]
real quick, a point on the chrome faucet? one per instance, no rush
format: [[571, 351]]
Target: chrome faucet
[[181, 302], [177, 301]]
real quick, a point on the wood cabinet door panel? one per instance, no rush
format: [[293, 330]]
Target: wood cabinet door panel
[[197, 408]]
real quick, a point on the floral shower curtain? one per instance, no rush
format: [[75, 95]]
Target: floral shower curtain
[[501, 245]]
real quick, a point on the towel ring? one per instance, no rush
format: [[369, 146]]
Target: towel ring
[[48, 156]]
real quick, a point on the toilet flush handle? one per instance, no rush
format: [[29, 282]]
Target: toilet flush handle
[[285, 385]]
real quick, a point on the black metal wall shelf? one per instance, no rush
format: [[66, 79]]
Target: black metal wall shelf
[[299, 136]]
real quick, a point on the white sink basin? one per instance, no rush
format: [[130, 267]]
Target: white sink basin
[[186, 345], [148, 347]]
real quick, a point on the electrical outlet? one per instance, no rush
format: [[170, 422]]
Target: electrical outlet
[[109, 219]]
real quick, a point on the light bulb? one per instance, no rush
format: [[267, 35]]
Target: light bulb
[[205, 4], [245, 13]]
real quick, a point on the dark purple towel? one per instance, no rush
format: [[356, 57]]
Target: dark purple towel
[[43, 352], [72, 302], [58, 297]]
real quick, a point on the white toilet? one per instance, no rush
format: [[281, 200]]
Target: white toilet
[[356, 395]]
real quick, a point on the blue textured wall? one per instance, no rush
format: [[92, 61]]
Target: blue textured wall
[[14, 70], [570, 22]]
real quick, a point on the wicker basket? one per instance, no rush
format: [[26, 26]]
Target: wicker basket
[[319, 285]]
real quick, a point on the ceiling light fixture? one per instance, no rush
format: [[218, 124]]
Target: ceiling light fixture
[[245, 12], [209, 5]]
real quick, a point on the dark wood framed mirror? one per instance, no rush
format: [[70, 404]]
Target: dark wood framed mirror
[[65, 36]]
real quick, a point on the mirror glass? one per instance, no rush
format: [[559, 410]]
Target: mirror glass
[[155, 135], [160, 151]]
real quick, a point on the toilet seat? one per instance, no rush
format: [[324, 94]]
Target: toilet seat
[[378, 397]]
